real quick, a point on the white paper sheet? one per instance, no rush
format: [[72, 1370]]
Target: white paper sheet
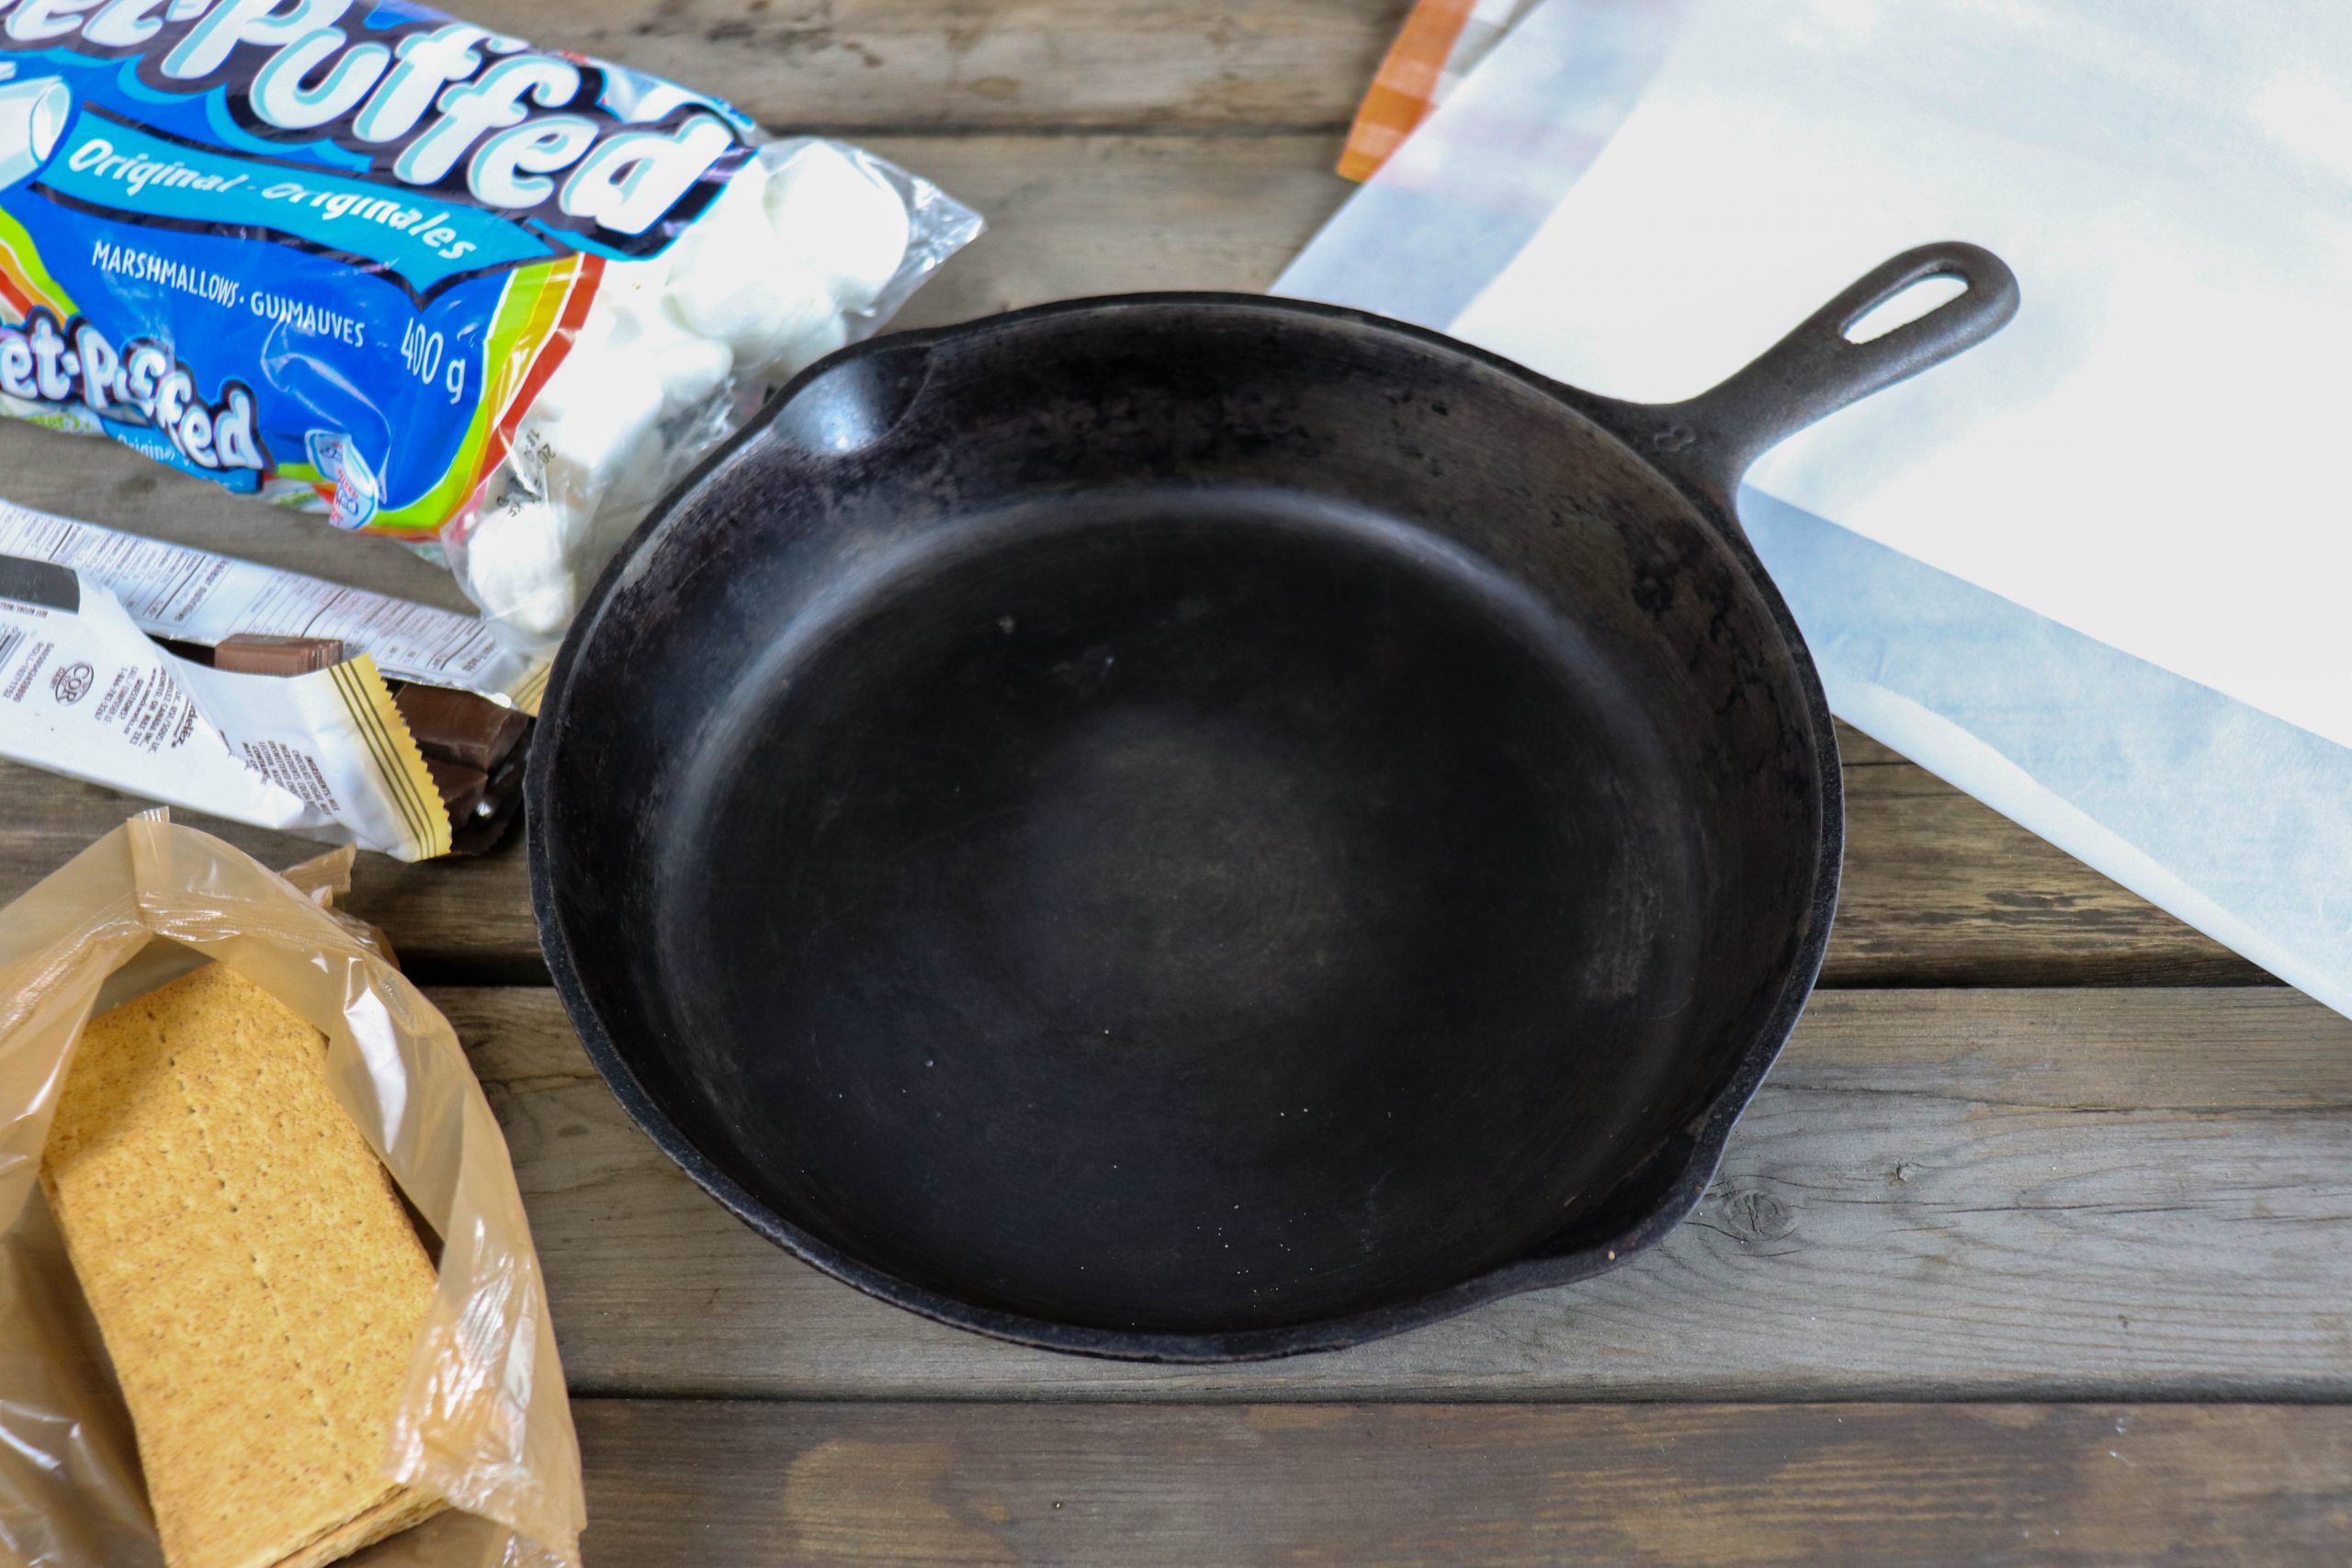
[[2232, 819], [2226, 815], [2148, 454]]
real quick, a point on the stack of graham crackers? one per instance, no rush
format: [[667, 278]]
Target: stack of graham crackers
[[259, 1285]]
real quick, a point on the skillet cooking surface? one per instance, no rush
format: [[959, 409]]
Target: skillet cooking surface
[[1216, 904]]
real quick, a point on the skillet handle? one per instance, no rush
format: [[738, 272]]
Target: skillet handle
[[1709, 441]]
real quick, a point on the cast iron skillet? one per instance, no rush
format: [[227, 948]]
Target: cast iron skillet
[[1196, 826]]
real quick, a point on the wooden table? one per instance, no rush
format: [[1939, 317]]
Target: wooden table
[[2037, 1244]]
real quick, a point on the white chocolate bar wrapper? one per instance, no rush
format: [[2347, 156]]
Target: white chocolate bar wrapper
[[191, 595], [85, 693]]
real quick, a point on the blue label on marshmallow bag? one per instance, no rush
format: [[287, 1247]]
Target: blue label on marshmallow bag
[[319, 249], [110, 168]]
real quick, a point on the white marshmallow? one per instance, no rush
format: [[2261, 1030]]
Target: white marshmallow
[[609, 533], [640, 484], [649, 342], [594, 421], [833, 217], [730, 281], [826, 334], [515, 565], [802, 234], [690, 369], [757, 315]]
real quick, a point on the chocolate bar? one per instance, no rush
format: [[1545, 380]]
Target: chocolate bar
[[461, 787], [253, 653], [501, 802], [460, 727]]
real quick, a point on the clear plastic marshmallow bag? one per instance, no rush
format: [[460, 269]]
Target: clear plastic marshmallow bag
[[483, 1419], [813, 245], [361, 257]]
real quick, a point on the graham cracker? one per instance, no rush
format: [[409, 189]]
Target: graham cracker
[[257, 1281]]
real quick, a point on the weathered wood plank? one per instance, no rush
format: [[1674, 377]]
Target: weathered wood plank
[[2036, 1194], [1939, 890], [856, 66], [1482, 1486], [1071, 216]]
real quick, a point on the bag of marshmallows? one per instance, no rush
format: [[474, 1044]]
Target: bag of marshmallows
[[353, 256]]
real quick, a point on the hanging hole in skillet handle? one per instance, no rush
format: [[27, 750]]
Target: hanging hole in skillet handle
[[1871, 336], [1920, 298], [852, 401]]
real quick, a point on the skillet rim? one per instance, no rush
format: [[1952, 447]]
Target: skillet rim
[[1707, 1132]]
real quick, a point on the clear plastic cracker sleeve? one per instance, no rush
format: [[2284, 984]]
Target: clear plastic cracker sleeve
[[483, 1421]]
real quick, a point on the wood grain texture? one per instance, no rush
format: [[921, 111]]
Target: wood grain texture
[[1479, 1486], [1079, 215], [1938, 1195], [1941, 890], [856, 66]]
